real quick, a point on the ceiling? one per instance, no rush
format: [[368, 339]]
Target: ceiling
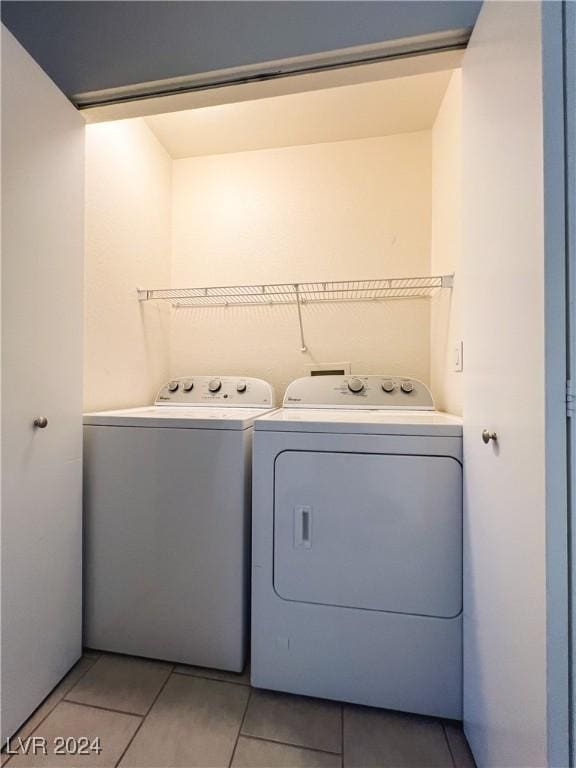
[[89, 46], [365, 110]]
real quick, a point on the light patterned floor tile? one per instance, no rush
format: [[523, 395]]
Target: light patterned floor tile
[[121, 683], [68, 720], [384, 739], [69, 681], [194, 723], [461, 752], [296, 720], [242, 678], [91, 654], [255, 753]]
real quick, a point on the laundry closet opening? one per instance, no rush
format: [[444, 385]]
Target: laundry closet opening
[[353, 184]]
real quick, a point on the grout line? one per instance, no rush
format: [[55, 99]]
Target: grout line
[[240, 727], [103, 709], [448, 743], [119, 711], [290, 744], [215, 679], [83, 675], [168, 676], [173, 671], [56, 703], [143, 720]]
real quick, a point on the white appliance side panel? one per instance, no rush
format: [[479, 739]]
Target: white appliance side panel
[[42, 289], [373, 531], [167, 536], [505, 699]]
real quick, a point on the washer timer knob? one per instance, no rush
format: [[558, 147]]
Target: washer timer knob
[[407, 387], [388, 386], [356, 386], [173, 386], [215, 385], [241, 386], [188, 386]]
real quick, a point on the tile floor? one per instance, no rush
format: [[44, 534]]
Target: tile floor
[[149, 714]]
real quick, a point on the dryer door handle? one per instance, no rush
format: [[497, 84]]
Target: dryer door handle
[[303, 527]]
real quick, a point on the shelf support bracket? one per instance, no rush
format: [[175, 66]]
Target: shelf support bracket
[[299, 307], [447, 281], [143, 294]]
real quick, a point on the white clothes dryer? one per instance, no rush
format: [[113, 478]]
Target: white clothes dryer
[[357, 545], [167, 504]]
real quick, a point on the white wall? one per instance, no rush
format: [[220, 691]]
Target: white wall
[[128, 196], [446, 247], [347, 210]]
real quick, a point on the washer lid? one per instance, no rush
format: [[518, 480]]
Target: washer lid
[[361, 421], [177, 417]]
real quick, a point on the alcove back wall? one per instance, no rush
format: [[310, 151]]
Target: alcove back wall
[[347, 210]]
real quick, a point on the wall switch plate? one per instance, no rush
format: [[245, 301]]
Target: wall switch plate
[[458, 360]]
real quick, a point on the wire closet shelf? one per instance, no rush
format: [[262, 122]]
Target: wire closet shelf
[[300, 293]]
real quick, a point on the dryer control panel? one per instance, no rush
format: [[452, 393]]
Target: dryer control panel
[[356, 391], [234, 391]]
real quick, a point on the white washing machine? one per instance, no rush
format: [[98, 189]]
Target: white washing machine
[[357, 546], [167, 506]]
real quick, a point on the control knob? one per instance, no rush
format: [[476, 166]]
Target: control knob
[[388, 386], [215, 385], [173, 386], [241, 386], [407, 387], [356, 386], [188, 386]]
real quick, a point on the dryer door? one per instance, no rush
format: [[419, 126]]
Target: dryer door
[[374, 531]]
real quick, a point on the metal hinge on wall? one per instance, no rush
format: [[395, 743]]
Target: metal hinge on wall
[[570, 399]]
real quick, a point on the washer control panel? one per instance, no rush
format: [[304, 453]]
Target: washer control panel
[[235, 391], [369, 392]]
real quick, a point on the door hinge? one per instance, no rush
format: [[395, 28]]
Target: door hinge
[[570, 399]]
